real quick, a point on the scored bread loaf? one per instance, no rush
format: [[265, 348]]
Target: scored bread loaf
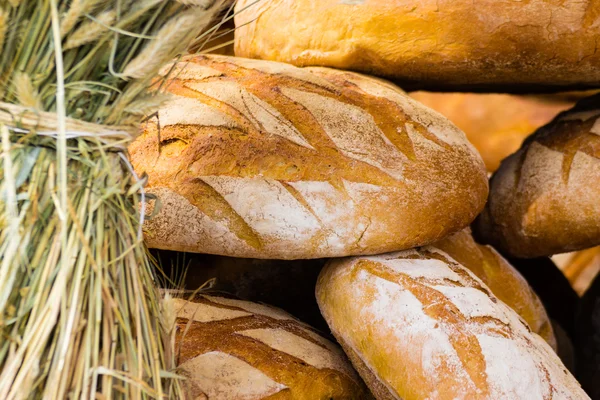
[[231, 349], [496, 124], [417, 324], [544, 198], [436, 44], [505, 282], [265, 160]]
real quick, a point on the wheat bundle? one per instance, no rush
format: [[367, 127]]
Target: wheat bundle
[[80, 315]]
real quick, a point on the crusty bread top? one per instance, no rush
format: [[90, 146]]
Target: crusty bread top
[[265, 160], [502, 278], [435, 44], [428, 328], [234, 349], [544, 198]]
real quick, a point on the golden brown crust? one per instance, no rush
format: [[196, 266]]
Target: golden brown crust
[[544, 198], [236, 348], [428, 328], [516, 45], [502, 278], [496, 124], [264, 160]]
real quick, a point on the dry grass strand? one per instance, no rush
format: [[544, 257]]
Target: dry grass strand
[[27, 93], [90, 31], [167, 44]]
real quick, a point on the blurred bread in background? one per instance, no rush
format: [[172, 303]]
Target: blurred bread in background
[[496, 124]]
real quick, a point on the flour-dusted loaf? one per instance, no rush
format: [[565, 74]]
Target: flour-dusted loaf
[[231, 349], [487, 44], [544, 198], [265, 160], [418, 325], [495, 123], [505, 282]]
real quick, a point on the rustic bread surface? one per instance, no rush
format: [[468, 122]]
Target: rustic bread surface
[[436, 44], [237, 350], [426, 327], [544, 198], [265, 160], [505, 282]]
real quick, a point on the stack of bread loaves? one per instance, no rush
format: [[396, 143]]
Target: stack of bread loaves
[[268, 160]]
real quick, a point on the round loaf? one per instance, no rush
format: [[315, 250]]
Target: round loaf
[[260, 159], [231, 349], [438, 44], [505, 282], [544, 198], [496, 124], [418, 325]]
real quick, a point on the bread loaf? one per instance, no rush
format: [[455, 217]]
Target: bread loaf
[[436, 44], [496, 124], [236, 350], [544, 198], [418, 325], [503, 279], [265, 160]]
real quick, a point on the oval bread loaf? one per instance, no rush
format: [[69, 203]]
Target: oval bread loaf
[[505, 282], [496, 124], [237, 350], [544, 198], [418, 325], [436, 44], [265, 160]]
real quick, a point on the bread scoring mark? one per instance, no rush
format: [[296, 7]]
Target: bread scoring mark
[[397, 318], [352, 130], [400, 102], [222, 376], [339, 217], [429, 269], [296, 346], [252, 199], [254, 308], [457, 327], [281, 367], [500, 353], [366, 93], [465, 314], [570, 133], [188, 70], [300, 199], [299, 117], [180, 222], [217, 207], [203, 312], [179, 110], [271, 67], [265, 118]]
